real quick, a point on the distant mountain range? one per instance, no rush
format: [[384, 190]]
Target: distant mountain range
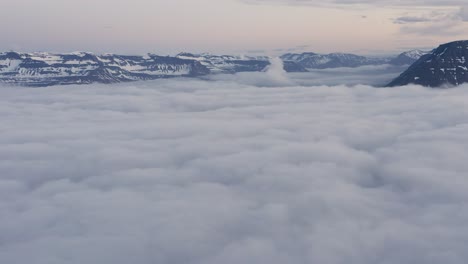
[[446, 65], [229, 64], [311, 60], [46, 69]]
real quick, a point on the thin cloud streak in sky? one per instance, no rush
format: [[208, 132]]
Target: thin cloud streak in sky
[[408, 19], [193, 171]]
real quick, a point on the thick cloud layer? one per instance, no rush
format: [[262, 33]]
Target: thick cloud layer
[[378, 76], [191, 171]]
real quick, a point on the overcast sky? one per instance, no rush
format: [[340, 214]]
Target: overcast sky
[[234, 26]]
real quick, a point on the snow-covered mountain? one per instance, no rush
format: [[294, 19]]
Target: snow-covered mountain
[[44, 69], [227, 63], [445, 65], [334, 60], [234, 64], [310, 60], [408, 58]]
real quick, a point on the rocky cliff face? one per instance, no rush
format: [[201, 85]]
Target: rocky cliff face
[[446, 65]]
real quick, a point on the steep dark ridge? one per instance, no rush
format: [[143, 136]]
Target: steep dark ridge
[[446, 65]]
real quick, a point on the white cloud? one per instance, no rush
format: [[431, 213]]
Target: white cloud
[[192, 171]]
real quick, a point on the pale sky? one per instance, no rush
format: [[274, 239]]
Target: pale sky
[[230, 26]]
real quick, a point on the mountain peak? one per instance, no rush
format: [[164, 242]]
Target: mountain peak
[[414, 54], [408, 57], [186, 54]]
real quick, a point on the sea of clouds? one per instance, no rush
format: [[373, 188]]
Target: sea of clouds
[[249, 168]]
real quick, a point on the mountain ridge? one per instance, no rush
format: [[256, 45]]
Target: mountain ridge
[[447, 65], [46, 69], [311, 60]]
